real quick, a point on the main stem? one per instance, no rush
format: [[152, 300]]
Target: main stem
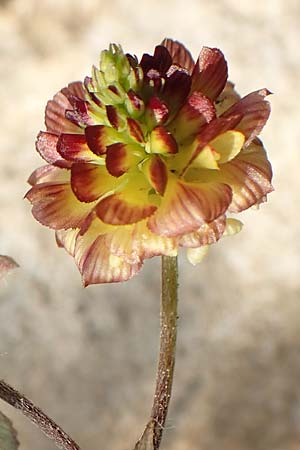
[[168, 332], [152, 435], [37, 416]]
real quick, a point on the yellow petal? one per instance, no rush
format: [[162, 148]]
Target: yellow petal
[[206, 159], [196, 255], [228, 145]]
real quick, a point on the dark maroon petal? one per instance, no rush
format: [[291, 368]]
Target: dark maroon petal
[[135, 130], [255, 111], [96, 137], [180, 55], [112, 116], [176, 89], [46, 145], [210, 73], [160, 61]]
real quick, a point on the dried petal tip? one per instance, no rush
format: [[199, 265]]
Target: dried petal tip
[[6, 265]]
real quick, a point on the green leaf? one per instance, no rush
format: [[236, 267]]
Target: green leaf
[[8, 435]]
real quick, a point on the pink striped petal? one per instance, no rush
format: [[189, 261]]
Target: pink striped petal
[[185, 207], [180, 55], [46, 146], [210, 73], [249, 175], [49, 173], [255, 111], [55, 205], [55, 115]]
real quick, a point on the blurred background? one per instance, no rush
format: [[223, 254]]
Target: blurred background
[[88, 356]]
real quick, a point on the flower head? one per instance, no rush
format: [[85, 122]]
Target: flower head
[[146, 157]]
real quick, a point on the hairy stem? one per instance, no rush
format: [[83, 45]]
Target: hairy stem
[[44, 423], [152, 436]]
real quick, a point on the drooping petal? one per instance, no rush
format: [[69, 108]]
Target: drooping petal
[[255, 111], [180, 55], [55, 205], [55, 115], [185, 207], [98, 137], [136, 242], [210, 73], [91, 181], [73, 147], [46, 145], [207, 234], [233, 226], [121, 157], [156, 172], [6, 265], [95, 260], [249, 175], [196, 111], [67, 239], [196, 255], [131, 205]]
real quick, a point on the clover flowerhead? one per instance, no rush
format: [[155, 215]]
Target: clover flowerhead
[[147, 156]]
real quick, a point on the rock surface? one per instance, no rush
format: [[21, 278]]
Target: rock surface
[[88, 357]]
